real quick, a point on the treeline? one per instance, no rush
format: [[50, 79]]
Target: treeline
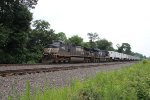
[[19, 43]]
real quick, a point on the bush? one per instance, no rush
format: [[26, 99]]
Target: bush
[[145, 61], [88, 93]]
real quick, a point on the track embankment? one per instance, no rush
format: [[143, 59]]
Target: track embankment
[[16, 84], [10, 69]]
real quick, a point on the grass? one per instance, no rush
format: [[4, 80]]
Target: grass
[[131, 83]]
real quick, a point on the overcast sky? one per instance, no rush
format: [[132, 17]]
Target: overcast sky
[[119, 21]]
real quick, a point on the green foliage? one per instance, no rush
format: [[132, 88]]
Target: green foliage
[[124, 48], [20, 44], [15, 14], [86, 44], [88, 93], [104, 44], [29, 3], [38, 38], [41, 34], [27, 95], [92, 38], [4, 33], [15, 19], [61, 36], [145, 61], [14, 31], [41, 25], [22, 19], [139, 55], [76, 40]]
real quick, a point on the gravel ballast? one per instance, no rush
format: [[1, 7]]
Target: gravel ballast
[[12, 84], [35, 66]]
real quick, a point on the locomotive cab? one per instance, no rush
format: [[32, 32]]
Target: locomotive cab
[[51, 51], [53, 48]]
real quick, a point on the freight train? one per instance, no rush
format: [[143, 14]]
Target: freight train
[[59, 52]]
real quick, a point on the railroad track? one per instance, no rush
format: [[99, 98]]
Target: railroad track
[[8, 65], [52, 69]]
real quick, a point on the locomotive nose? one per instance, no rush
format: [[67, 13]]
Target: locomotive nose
[[50, 50], [54, 50], [47, 50]]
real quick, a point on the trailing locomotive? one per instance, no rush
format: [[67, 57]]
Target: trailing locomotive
[[58, 52]]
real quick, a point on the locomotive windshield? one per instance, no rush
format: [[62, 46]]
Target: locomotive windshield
[[57, 43]]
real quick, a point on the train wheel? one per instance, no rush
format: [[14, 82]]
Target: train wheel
[[44, 61], [90, 60], [99, 60], [65, 61], [56, 61], [69, 60], [51, 61], [59, 61]]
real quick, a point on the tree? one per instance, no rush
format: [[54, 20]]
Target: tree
[[42, 34], [76, 40], [15, 19], [124, 48], [104, 44], [4, 32], [86, 44], [41, 25], [9, 10], [29, 3], [39, 37], [141, 56], [61, 36], [92, 38]]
